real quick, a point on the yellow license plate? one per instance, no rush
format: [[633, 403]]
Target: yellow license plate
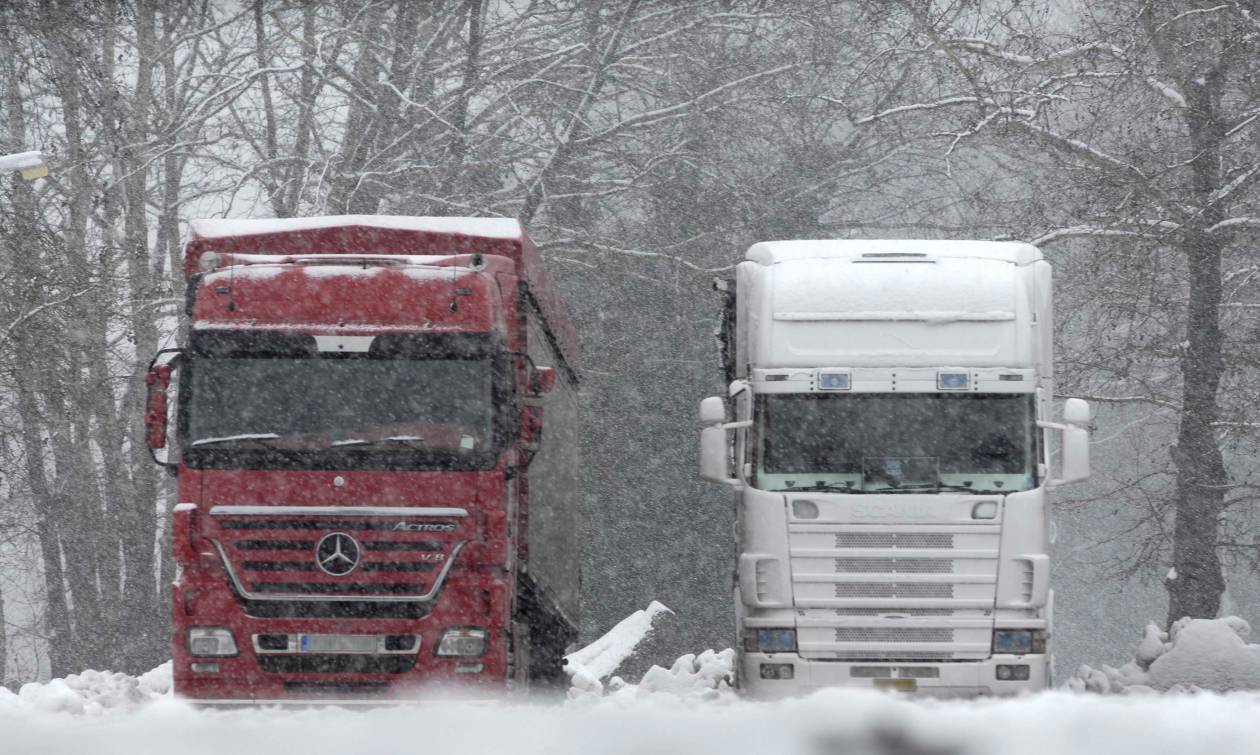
[[897, 685]]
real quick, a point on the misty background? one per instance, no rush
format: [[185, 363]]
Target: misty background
[[645, 144]]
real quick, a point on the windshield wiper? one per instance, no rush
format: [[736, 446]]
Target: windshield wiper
[[411, 441], [234, 438], [838, 487], [266, 440], [943, 486]]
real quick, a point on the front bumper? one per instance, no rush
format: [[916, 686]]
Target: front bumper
[[203, 598], [954, 679]]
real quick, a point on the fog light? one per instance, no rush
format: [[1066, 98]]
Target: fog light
[[211, 641], [204, 668], [468, 668], [778, 671], [775, 640], [1013, 673], [462, 642]]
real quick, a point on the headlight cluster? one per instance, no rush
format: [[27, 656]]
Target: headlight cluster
[[1019, 641], [462, 642], [770, 641], [209, 642]]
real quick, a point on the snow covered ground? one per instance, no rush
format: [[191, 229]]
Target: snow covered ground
[[687, 708], [831, 722]]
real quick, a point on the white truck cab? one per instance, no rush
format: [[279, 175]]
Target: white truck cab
[[887, 435]]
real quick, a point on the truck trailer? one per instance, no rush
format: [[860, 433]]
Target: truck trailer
[[368, 502], [887, 434]]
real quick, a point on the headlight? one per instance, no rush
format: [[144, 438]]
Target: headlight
[[462, 642], [1019, 641], [771, 641], [211, 641]]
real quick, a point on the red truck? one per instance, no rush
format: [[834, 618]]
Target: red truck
[[368, 503]]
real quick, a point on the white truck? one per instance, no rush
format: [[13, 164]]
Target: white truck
[[887, 434]]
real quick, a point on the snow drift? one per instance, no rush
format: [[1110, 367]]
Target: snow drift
[[1195, 654]]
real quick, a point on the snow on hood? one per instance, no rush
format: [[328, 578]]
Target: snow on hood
[[1196, 654]]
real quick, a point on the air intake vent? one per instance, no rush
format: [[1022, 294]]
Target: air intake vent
[[767, 571], [894, 540], [893, 634], [894, 566], [1026, 579], [894, 590]]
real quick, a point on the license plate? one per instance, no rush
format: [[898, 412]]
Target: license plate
[[336, 643], [897, 685]]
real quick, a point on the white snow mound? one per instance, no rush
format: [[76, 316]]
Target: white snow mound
[[589, 667], [1195, 654], [89, 692]]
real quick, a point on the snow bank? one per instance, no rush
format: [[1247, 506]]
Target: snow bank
[[853, 722], [706, 676], [1196, 654], [588, 667], [90, 693]]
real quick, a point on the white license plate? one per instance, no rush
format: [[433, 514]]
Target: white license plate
[[337, 643], [897, 685]]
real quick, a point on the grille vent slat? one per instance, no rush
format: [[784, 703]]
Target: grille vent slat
[[328, 588], [894, 566], [893, 634], [893, 655], [894, 540], [893, 590], [894, 612]]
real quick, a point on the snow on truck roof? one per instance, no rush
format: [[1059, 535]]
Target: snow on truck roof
[[774, 252], [498, 228]]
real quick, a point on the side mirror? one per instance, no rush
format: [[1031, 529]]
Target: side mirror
[[1076, 412], [1075, 455], [1074, 442], [542, 380], [158, 381], [715, 454], [712, 411]]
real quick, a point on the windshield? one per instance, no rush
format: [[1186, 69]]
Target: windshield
[[307, 409], [912, 442]]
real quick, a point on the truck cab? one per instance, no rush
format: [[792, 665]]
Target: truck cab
[[368, 502], [887, 434]]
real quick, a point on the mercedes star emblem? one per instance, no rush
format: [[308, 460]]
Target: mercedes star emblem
[[337, 554]]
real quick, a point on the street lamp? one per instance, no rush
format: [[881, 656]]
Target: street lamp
[[30, 164]]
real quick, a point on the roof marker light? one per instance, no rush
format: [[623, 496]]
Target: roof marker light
[[953, 381], [834, 381]]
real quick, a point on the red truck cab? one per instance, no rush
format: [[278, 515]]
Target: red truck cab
[[368, 502]]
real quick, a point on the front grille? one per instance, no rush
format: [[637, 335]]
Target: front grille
[[336, 664], [313, 523], [894, 566], [276, 555], [894, 611], [352, 588], [892, 655], [337, 688], [894, 540], [341, 609], [894, 590], [893, 634]]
